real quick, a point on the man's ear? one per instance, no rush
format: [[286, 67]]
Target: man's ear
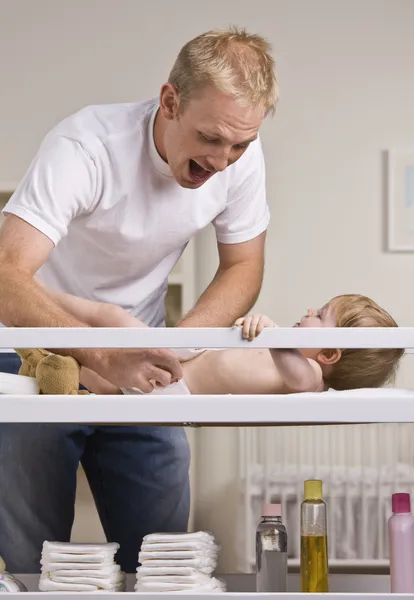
[[169, 101], [329, 357]]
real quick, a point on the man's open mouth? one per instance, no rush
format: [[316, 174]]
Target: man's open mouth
[[198, 173]]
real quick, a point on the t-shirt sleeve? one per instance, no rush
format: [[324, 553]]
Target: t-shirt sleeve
[[246, 214], [59, 185]]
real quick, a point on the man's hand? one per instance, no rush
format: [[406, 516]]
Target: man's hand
[[252, 325], [140, 368]]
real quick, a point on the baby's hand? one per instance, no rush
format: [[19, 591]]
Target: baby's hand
[[254, 324]]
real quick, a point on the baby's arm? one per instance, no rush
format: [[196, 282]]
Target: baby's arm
[[301, 374], [298, 372]]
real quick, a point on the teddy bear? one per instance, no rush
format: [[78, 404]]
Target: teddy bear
[[55, 374]]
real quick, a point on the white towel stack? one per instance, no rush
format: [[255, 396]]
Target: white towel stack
[[70, 567], [182, 562]]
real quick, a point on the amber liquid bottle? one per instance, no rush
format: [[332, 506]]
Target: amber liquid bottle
[[313, 540]]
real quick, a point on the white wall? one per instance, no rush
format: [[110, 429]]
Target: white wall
[[347, 94]]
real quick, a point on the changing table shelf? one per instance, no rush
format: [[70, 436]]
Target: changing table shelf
[[372, 406], [365, 406], [240, 587], [206, 337]]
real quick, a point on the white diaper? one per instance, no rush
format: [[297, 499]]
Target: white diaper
[[102, 558], [186, 354], [212, 585], [69, 548], [47, 585], [178, 562], [70, 567], [203, 536], [146, 570], [170, 546], [175, 389], [157, 566], [176, 554]]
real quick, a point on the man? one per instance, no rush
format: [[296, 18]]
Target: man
[[104, 212]]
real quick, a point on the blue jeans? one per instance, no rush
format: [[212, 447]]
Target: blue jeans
[[138, 477]]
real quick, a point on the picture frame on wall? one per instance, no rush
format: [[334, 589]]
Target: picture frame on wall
[[400, 200]]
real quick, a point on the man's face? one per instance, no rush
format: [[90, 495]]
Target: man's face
[[211, 133]]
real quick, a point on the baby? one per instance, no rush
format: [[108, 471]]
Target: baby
[[262, 371]]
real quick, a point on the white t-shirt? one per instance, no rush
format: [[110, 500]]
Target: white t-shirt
[[118, 219]]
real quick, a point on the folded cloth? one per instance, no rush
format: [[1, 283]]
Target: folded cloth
[[201, 563], [67, 567], [173, 546], [157, 571], [181, 554], [68, 547], [105, 572], [48, 585], [102, 559], [213, 585], [181, 563], [196, 577], [107, 583], [52, 566], [178, 537]]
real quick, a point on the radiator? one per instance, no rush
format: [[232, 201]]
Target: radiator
[[360, 466]]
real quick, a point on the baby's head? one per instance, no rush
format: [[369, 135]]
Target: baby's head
[[360, 367]]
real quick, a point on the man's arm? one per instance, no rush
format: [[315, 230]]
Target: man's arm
[[23, 249], [235, 287], [94, 314]]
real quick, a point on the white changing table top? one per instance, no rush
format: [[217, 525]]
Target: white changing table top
[[386, 405]]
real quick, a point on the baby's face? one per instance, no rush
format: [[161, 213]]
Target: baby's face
[[318, 317]]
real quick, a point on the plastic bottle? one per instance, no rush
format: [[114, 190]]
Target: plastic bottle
[[401, 545], [314, 571], [271, 551]]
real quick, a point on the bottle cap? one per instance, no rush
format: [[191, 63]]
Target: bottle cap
[[313, 489], [401, 503], [271, 510]]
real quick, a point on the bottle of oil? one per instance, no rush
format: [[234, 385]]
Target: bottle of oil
[[271, 551], [313, 539]]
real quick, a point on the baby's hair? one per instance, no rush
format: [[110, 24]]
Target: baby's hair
[[363, 367]]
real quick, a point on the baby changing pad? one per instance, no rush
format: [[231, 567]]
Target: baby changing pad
[[17, 384]]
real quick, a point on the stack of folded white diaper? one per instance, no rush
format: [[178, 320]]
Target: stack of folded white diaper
[[70, 567], [182, 562]]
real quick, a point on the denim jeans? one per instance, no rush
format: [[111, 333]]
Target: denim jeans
[[138, 477]]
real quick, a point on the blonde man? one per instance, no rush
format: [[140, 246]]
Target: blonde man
[[104, 212]]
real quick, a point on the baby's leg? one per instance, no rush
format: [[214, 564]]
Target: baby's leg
[[95, 314], [97, 384], [107, 316]]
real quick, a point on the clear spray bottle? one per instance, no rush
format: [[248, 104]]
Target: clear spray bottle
[[271, 551]]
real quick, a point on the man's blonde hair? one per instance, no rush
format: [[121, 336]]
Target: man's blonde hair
[[235, 62], [360, 367]]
